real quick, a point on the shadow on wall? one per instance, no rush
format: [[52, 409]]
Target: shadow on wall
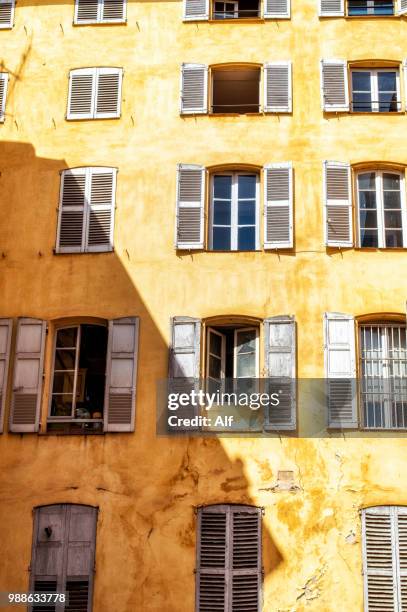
[[146, 487]]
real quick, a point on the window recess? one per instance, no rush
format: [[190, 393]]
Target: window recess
[[375, 91], [240, 9], [235, 90]]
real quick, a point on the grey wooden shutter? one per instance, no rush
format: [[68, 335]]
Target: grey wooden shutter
[[121, 374], [3, 94], [195, 10], [278, 206], [28, 371], [49, 541], [338, 213], [86, 11], [331, 8], [184, 358], [101, 208], [6, 326], [280, 371], [81, 97], [229, 559], [334, 85], [276, 9], [190, 207], [6, 14], [340, 370], [71, 215], [108, 93], [194, 89], [113, 11], [80, 555], [402, 7], [277, 87]]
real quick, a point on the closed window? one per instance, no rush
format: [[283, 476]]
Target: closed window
[[95, 93], [376, 91], [239, 9], [100, 11], [384, 533], [383, 370], [235, 212], [382, 209], [370, 7], [63, 555]]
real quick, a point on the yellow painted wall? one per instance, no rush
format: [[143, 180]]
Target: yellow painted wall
[[147, 487]]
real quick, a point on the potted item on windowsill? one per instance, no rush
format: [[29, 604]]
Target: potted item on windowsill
[[96, 415]]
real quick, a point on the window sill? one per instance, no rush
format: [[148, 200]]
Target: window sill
[[100, 23], [376, 113]]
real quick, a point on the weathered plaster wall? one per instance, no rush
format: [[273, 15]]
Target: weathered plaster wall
[[146, 487]]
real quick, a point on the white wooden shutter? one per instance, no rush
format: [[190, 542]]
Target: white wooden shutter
[[194, 89], [331, 8], [102, 11], [121, 374], [3, 95], [402, 7], [86, 11], [278, 206], [277, 9], [280, 370], [6, 326], [401, 518], [28, 372], [340, 370], [81, 97], [108, 93], [196, 10], [101, 209], [190, 206], [72, 211], [278, 87], [185, 347], [338, 212], [6, 14], [113, 11], [334, 85]]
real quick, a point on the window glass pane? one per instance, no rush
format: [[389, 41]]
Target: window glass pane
[[64, 359], [221, 213], [215, 344], [222, 186], [246, 239], [247, 213], [388, 102], [361, 81], [387, 81], [221, 239], [61, 405], [215, 367], [67, 337], [362, 102], [368, 238], [391, 181], [246, 365], [394, 238], [63, 382], [392, 219], [368, 218], [246, 341], [247, 186], [367, 199], [367, 180]]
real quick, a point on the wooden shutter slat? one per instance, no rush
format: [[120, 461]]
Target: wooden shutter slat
[[190, 203], [121, 378], [196, 10], [278, 206], [277, 9], [3, 94], [27, 381], [86, 11], [331, 8], [334, 85], [6, 14], [108, 93], [82, 83], [6, 326], [194, 89], [338, 214], [277, 87]]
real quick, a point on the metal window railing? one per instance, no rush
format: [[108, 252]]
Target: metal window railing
[[376, 106], [239, 14]]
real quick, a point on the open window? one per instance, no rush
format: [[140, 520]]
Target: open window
[[239, 9], [375, 90], [232, 352], [235, 89]]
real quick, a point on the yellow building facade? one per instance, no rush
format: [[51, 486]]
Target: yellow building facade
[[312, 481]]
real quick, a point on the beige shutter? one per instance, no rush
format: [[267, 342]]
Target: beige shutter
[[340, 370], [195, 10], [6, 14], [86, 11], [71, 215], [334, 85], [113, 11], [401, 530], [49, 542], [6, 326], [331, 8], [108, 93], [338, 213], [280, 371], [278, 206], [190, 207], [3, 95], [402, 7], [121, 374], [277, 87], [194, 89], [80, 555], [28, 372], [277, 9], [81, 97], [101, 209]]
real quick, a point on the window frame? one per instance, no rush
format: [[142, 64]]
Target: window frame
[[99, 19], [234, 226], [374, 89], [393, 14], [381, 237], [260, 68]]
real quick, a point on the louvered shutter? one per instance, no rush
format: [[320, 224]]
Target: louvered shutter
[[72, 208], [196, 10], [276, 9], [113, 11], [81, 98], [189, 226], [108, 93], [401, 530], [402, 7], [3, 94], [278, 206], [246, 559], [49, 542], [340, 370], [100, 212], [334, 85], [28, 371], [86, 11], [80, 555], [405, 74], [277, 87], [6, 14], [121, 374], [6, 326], [194, 89], [280, 371], [331, 8], [338, 205]]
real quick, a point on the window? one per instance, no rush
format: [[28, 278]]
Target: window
[[383, 371], [94, 93], [370, 7], [229, 559], [375, 91], [235, 90], [100, 11], [235, 10], [232, 352], [199, 10], [86, 210], [6, 14], [3, 95], [63, 554], [382, 209], [234, 212], [384, 533]]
